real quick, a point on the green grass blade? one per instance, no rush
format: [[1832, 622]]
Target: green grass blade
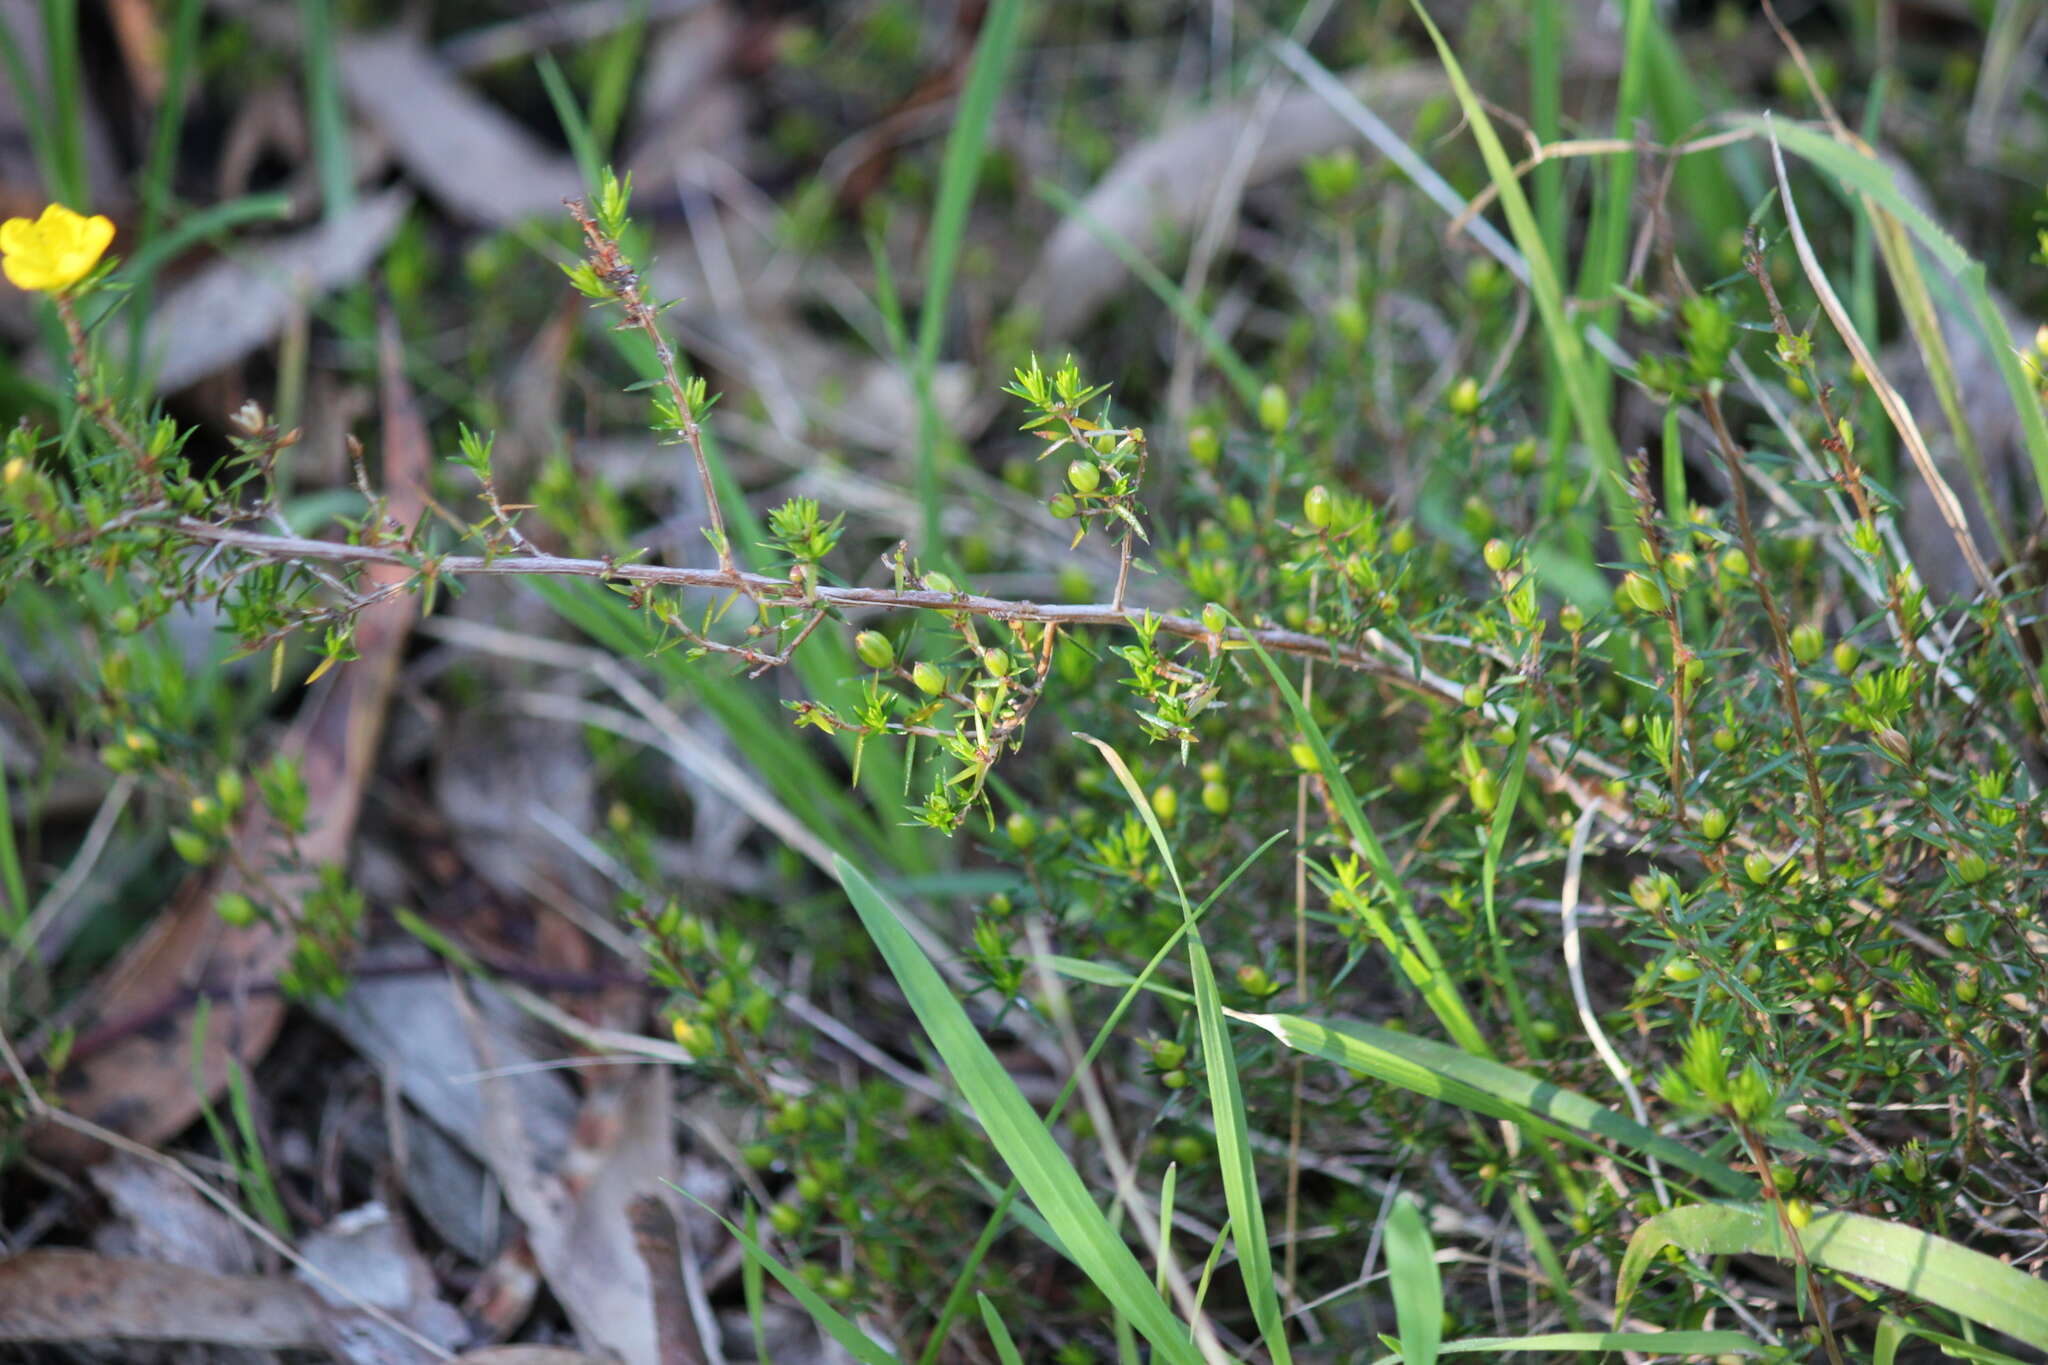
[[1442, 1072], [65, 116], [1417, 1285], [1930, 1268], [830, 1320], [1866, 176], [1006, 1349], [959, 170], [324, 113], [752, 1287], [1579, 367], [1242, 381], [11, 879], [1677, 1345], [1422, 963], [569, 113], [1497, 826], [1226, 1094], [1049, 1180], [1483, 1086]]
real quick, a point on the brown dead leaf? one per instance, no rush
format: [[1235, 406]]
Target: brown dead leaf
[[79, 1296], [131, 1069], [574, 1203], [464, 151], [237, 304]]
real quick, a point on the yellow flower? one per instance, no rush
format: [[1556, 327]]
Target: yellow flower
[[55, 251]]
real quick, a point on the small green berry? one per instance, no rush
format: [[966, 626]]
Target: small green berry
[[1316, 507], [1203, 447], [873, 649], [1022, 829], [1713, 824], [929, 677], [1165, 803], [1215, 798], [1497, 555], [1806, 643], [1758, 867], [1084, 475], [236, 910], [1464, 397], [1273, 409]]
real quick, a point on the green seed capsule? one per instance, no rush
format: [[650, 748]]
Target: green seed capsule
[[1022, 829], [1464, 397], [1714, 824], [1758, 867], [1643, 593], [929, 677], [1682, 970], [1203, 447], [1316, 506], [1215, 798], [1571, 618], [1735, 564], [1273, 409], [1165, 803], [1062, 506], [1497, 555], [235, 909], [873, 649], [1084, 475], [1806, 643]]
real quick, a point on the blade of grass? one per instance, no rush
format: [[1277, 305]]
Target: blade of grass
[[1133, 987], [1442, 1072], [1006, 1349], [751, 1287], [1242, 381], [1864, 175], [830, 1320], [1226, 1094], [1497, 827], [1421, 962], [1581, 370], [324, 113], [1934, 1269], [1417, 1285], [1041, 1168], [11, 879], [1676, 1345], [576, 128], [159, 167], [66, 167], [959, 170]]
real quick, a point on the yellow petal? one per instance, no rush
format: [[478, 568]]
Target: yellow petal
[[25, 272], [16, 234], [96, 234]]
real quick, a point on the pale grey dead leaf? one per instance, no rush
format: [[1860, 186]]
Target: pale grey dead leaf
[[240, 302], [368, 1253], [1162, 187], [469, 155], [573, 1199], [158, 1217]]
